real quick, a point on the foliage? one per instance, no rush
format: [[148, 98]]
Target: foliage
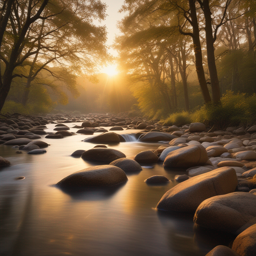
[[178, 119]]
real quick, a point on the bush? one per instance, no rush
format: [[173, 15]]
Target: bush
[[178, 119]]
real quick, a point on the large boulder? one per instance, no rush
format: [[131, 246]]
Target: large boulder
[[245, 243], [229, 213], [197, 127], [127, 165], [185, 157], [166, 151], [146, 157], [19, 142], [221, 250], [156, 136], [102, 155], [188, 195], [4, 162], [94, 177], [106, 138]]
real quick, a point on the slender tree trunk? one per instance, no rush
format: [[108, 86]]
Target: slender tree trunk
[[248, 34], [198, 54], [210, 54], [4, 90], [183, 74], [173, 88], [26, 93]]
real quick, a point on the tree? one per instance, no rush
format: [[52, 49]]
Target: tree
[[50, 31]]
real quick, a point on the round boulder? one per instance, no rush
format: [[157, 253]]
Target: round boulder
[[197, 127], [4, 162], [20, 141], [157, 180], [102, 155], [78, 153], [95, 177], [127, 165], [166, 152], [221, 250], [188, 195], [156, 136], [186, 157], [106, 138], [146, 157]]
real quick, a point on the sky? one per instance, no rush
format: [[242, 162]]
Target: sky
[[113, 16]]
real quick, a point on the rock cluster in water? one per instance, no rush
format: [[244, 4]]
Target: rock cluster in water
[[219, 186]]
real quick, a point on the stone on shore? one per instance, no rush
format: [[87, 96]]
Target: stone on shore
[[177, 141], [198, 170], [197, 127], [4, 162], [215, 150], [156, 136], [127, 165], [166, 151], [249, 173], [102, 155], [230, 163], [245, 155], [188, 195], [105, 138], [245, 242], [221, 250], [186, 157], [95, 177], [231, 213]]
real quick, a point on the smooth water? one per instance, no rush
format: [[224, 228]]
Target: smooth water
[[38, 219]]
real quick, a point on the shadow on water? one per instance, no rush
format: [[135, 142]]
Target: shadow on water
[[91, 193]]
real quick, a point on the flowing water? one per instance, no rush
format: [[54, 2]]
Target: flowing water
[[38, 219]]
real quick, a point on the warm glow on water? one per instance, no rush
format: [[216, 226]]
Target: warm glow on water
[[110, 70], [38, 219]]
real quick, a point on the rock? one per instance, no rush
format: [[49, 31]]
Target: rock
[[29, 147], [146, 157], [65, 133], [61, 128], [245, 243], [141, 126], [20, 141], [102, 155], [54, 136], [188, 195], [221, 250], [166, 151], [4, 162], [194, 137], [37, 151], [197, 127], [86, 124], [252, 129], [106, 138], [215, 150], [157, 180], [127, 165], [197, 170], [245, 155], [177, 141], [186, 157], [249, 173], [235, 143], [86, 131], [78, 153], [156, 136], [94, 177], [207, 139], [231, 213], [116, 128], [181, 178], [230, 163], [39, 143]]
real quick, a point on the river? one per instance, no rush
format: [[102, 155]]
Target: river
[[39, 219]]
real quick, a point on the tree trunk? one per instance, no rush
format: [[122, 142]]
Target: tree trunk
[[198, 54], [173, 88], [5, 88], [26, 93], [183, 73], [210, 54]]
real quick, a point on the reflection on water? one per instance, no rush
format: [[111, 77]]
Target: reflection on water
[[37, 218]]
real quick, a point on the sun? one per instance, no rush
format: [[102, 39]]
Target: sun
[[110, 70]]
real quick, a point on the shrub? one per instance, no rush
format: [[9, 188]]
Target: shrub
[[178, 119]]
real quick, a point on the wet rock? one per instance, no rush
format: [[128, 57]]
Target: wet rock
[[245, 243], [20, 141], [186, 157], [146, 157], [29, 147], [231, 213], [141, 126], [198, 170], [230, 163], [127, 165], [86, 131], [96, 176], [156, 136], [215, 150], [78, 153], [86, 124], [116, 128], [4, 162], [249, 173], [106, 138], [181, 178], [54, 136], [166, 151], [188, 195], [177, 141], [102, 155], [37, 151], [197, 127], [221, 250], [157, 180], [245, 155], [65, 133]]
